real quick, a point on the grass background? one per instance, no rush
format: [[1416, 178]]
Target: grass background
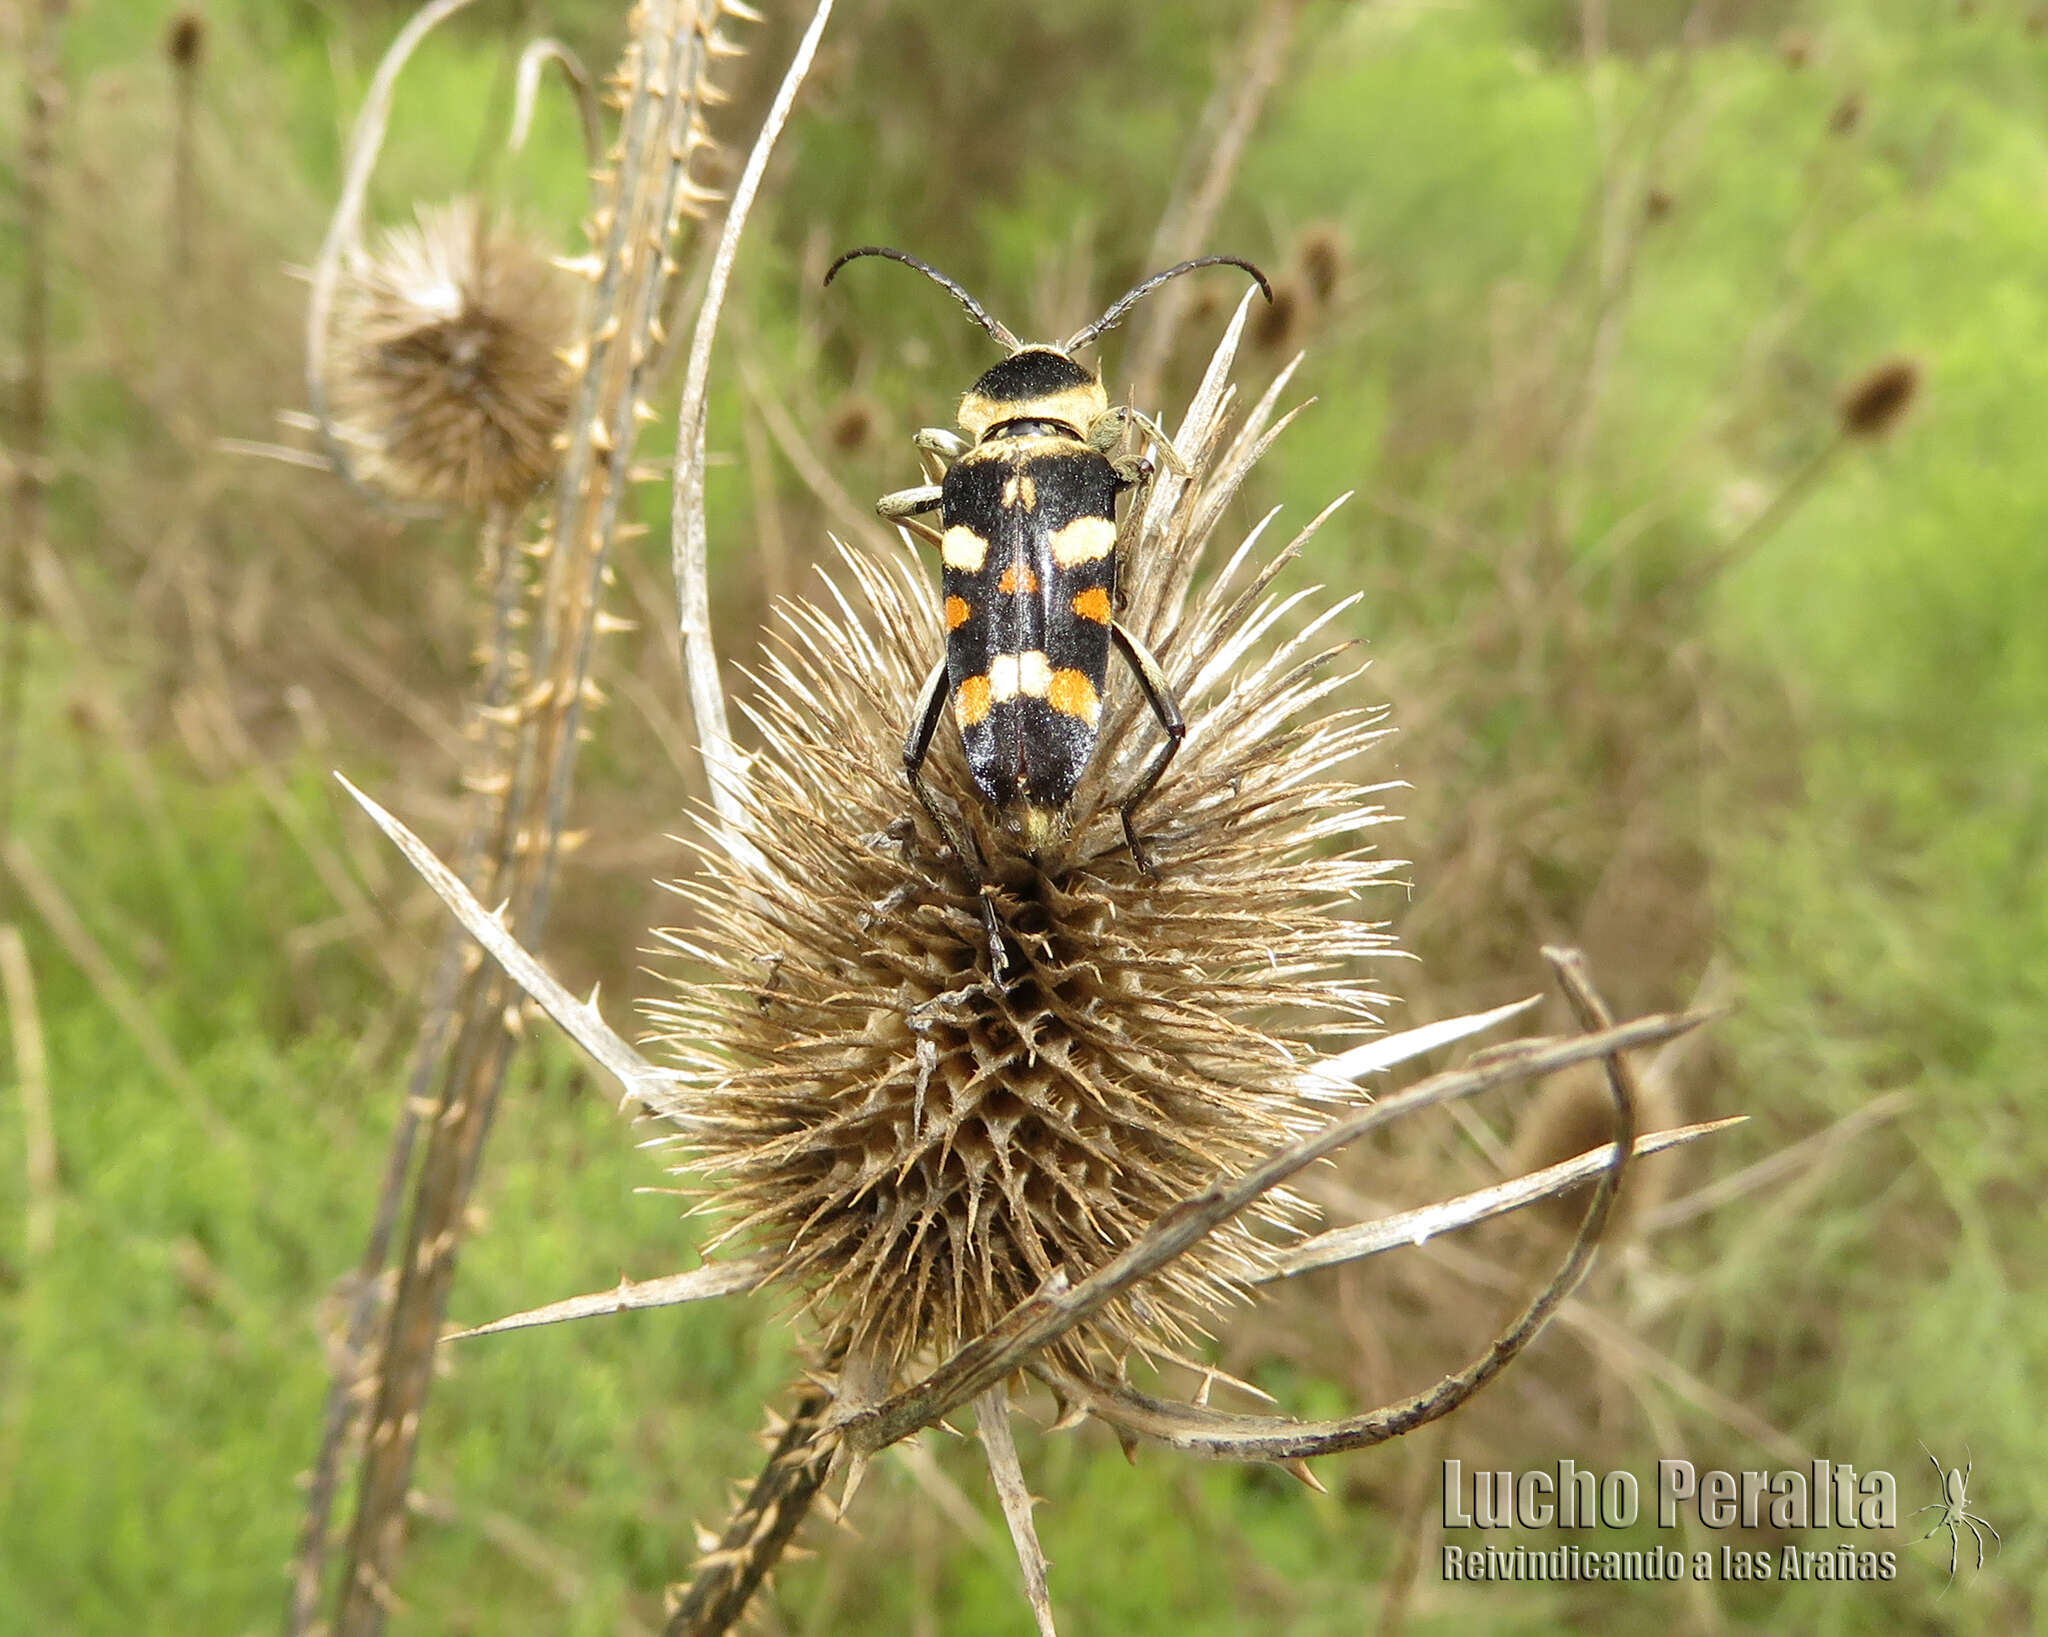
[[1599, 291]]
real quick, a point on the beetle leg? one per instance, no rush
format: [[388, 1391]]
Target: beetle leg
[[1159, 695], [931, 705], [1108, 428], [902, 507], [1152, 429], [1137, 484], [937, 449]]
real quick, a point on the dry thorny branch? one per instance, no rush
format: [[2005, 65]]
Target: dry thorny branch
[[965, 1181], [477, 401]]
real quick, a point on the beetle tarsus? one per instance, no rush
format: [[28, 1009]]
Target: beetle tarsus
[[999, 962]]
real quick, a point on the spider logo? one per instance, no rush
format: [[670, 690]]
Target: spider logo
[[1952, 1511]]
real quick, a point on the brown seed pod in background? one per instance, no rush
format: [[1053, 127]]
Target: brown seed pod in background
[[1848, 114], [1873, 404], [1205, 307], [1321, 254], [446, 359], [185, 39], [1277, 326], [852, 423], [1574, 1113], [1795, 48]]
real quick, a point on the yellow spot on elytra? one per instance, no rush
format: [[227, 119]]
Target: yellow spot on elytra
[[973, 700], [1093, 604], [1012, 674], [1085, 540], [1021, 491], [1072, 694], [957, 613], [963, 549]]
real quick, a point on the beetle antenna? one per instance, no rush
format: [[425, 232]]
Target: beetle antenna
[[974, 308], [1115, 316]]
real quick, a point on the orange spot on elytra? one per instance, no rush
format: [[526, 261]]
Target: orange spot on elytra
[[973, 701], [957, 613], [1072, 694], [1093, 604], [1017, 577]]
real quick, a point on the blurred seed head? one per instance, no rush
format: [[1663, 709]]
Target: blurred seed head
[[1572, 1114], [1278, 324], [446, 359], [1873, 404], [1795, 48], [1322, 254], [1657, 205], [920, 1148], [185, 39], [1847, 115], [1205, 307], [852, 423]]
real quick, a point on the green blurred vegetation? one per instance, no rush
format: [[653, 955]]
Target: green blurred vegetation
[[1593, 311]]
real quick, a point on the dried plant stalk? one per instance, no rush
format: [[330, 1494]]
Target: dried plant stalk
[[1250, 74], [45, 92], [737, 1560], [662, 89], [32, 1076], [487, 774]]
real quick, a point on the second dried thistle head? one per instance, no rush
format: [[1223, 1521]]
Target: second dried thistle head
[[446, 361]]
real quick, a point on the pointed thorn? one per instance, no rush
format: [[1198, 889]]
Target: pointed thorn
[[1300, 1470]]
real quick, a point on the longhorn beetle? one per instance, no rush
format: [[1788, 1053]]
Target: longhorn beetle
[[1031, 553]]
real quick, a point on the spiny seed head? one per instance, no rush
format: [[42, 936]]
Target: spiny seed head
[[445, 359], [1878, 399], [920, 1147]]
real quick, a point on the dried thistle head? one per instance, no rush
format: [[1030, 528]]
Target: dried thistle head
[[920, 1147], [446, 359]]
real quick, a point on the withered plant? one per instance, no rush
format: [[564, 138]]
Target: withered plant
[[447, 367], [961, 1182]]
